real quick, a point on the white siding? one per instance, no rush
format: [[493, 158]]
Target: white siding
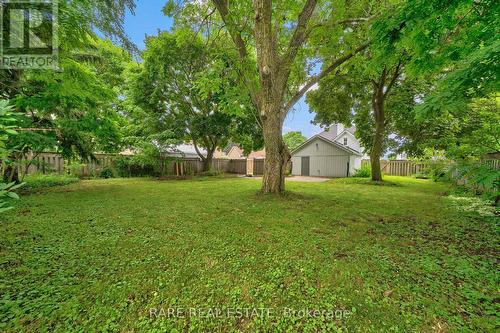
[[354, 164], [326, 160], [296, 166], [352, 142]]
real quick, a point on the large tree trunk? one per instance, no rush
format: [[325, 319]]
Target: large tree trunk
[[11, 174], [272, 95], [378, 139], [277, 154], [207, 162], [376, 152]]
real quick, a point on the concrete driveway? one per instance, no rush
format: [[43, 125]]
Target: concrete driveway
[[303, 179]]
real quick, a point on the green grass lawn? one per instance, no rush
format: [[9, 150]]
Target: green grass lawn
[[101, 254]]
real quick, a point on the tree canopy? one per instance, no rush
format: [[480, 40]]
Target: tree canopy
[[294, 139], [192, 94], [411, 76]]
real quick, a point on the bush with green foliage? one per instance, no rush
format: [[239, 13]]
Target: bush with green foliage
[[107, 172], [364, 172], [436, 169], [480, 177], [74, 168], [134, 166], [38, 181], [6, 194], [7, 124]]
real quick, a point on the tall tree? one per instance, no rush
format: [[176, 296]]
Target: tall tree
[[46, 97], [464, 134], [359, 93], [192, 92], [78, 21], [276, 43], [74, 111], [294, 139]]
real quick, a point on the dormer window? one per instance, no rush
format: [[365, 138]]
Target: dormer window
[[345, 141]]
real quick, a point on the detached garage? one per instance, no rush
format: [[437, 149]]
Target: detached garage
[[322, 157]]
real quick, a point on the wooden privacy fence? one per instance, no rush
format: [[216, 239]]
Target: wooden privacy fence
[[494, 163], [258, 166], [194, 166], [399, 167], [47, 163], [237, 166]]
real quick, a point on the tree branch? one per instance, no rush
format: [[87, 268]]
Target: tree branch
[[315, 79], [198, 150], [222, 8], [300, 34], [395, 76]]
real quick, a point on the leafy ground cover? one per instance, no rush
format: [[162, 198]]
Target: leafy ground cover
[[139, 255], [37, 182]]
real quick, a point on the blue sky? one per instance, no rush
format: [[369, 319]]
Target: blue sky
[[148, 19]]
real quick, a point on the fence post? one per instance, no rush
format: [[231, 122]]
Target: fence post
[[250, 167]]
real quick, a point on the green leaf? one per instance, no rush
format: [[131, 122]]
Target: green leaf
[[12, 132], [13, 195], [5, 209], [15, 187]]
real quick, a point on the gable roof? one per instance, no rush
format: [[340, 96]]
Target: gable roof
[[348, 131], [336, 144], [229, 147], [257, 154]]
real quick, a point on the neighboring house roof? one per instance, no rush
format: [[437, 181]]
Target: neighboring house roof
[[235, 152], [258, 154], [333, 142], [228, 148], [185, 150]]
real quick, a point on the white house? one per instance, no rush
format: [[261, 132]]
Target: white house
[[333, 153]]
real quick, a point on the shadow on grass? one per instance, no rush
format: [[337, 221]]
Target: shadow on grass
[[286, 196], [365, 181], [197, 178]]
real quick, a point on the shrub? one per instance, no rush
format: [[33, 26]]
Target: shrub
[[437, 169], [107, 172], [126, 166], [480, 177], [364, 172], [74, 168], [38, 181], [6, 193]]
